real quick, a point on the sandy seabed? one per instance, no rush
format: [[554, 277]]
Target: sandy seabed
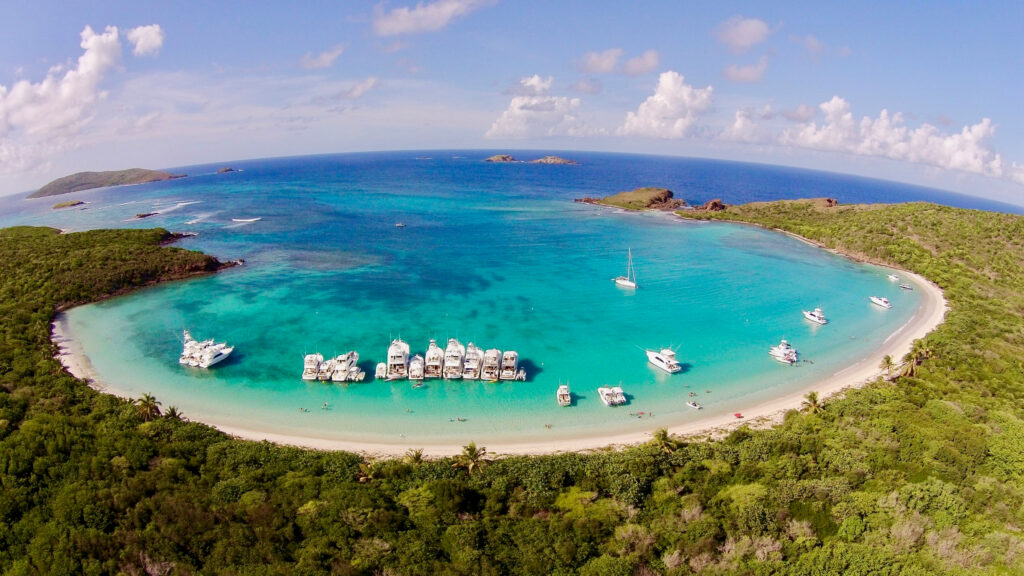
[[929, 315]]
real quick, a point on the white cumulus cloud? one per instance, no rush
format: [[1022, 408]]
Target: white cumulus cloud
[[601, 62], [889, 137], [809, 43], [534, 113], [147, 40], [322, 60], [588, 86], [425, 17], [741, 34], [670, 111], [642, 64], [743, 128], [37, 119], [747, 74]]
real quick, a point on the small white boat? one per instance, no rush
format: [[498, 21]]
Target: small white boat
[[881, 301], [473, 363], [355, 374], [816, 315], [664, 359], [563, 395], [454, 359], [311, 366], [398, 360], [491, 369], [416, 368], [612, 396], [906, 287], [399, 224], [510, 365], [694, 405], [783, 353], [246, 219], [434, 361], [629, 280], [894, 277], [381, 372]]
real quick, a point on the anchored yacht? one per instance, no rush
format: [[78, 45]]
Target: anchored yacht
[[783, 353], [311, 366], [416, 368], [629, 280], [816, 315], [509, 365], [398, 360], [473, 363], [203, 354], [612, 396], [491, 369], [664, 359], [563, 395], [454, 359], [881, 301], [434, 362]]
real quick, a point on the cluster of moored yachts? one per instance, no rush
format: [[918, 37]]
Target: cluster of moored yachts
[[455, 362], [458, 362]]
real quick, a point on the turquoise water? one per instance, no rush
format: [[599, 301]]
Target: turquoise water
[[497, 255]]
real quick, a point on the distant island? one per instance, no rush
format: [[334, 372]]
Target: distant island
[[89, 180], [67, 204], [646, 198], [544, 160]]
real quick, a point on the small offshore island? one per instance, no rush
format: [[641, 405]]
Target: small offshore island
[[90, 180], [499, 158], [919, 470]]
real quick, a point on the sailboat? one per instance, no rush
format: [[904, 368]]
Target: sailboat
[[629, 280]]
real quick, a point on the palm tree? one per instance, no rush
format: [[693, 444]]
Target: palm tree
[[173, 414], [414, 457], [888, 365], [368, 471], [812, 404], [919, 352], [472, 458], [147, 407], [665, 442]]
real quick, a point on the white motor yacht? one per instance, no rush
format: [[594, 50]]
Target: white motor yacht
[[310, 365], [491, 370], [664, 359], [881, 301], [398, 360], [816, 315], [694, 405], [906, 287], [509, 365], [612, 396], [434, 362], [563, 395], [454, 359], [894, 277], [416, 368], [783, 353], [203, 354], [629, 280], [474, 362]]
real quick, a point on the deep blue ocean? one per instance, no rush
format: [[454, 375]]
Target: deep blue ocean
[[495, 254]]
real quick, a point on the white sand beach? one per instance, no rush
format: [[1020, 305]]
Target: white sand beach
[[928, 316]]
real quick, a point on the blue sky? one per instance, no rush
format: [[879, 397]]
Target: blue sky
[[922, 92]]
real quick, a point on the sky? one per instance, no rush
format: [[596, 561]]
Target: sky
[[928, 93]]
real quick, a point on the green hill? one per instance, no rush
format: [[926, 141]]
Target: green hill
[[89, 180]]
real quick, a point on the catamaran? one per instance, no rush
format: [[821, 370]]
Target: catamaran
[[434, 362], [629, 280], [816, 315], [664, 359], [454, 359], [491, 370]]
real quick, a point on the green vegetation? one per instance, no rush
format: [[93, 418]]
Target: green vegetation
[[920, 475], [88, 180], [67, 204], [640, 199]]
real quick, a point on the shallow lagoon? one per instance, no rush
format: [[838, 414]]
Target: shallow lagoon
[[486, 256]]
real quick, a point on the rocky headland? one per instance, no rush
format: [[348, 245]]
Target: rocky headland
[[89, 180]]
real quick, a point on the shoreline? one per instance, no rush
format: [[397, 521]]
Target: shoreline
[[929, 315]]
